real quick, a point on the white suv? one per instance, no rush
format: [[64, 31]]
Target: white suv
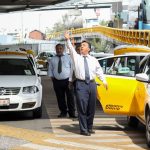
[[20, 84]]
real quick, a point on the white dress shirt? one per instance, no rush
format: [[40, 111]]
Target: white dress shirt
[[93, 64]]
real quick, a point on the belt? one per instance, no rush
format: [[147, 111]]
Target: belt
[[84, 80], [61, 79]]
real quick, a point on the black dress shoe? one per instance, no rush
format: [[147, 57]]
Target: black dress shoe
[[61, 115], [85, 133], [91, 131]]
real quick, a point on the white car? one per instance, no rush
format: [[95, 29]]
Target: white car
[[20, 84]]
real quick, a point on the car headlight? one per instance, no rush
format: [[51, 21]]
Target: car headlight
[[30, 90]]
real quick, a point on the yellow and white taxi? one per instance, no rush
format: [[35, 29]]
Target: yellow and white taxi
[[143, 89], [43, 57], [126, 95], [20, 84]]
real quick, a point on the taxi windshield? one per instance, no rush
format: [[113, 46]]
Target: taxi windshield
[[16, 67]]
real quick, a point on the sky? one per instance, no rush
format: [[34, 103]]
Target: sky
[[40, 20], [29, 20]]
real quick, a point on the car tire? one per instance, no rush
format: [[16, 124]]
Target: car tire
[[132, 121], [37, 113], [148, 128]]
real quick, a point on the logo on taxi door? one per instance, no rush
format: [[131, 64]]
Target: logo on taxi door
[[114, 107]]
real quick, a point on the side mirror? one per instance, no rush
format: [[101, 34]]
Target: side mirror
[[142, 77], [42, 73]]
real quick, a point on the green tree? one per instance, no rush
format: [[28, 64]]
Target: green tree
[[61, 25], [101, 45], [103, 23]]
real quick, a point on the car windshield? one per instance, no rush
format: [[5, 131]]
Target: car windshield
[[46, 54], [16, 67]]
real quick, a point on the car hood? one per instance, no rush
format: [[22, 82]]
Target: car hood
[[18, 81]]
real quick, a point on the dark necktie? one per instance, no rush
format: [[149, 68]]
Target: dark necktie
[[59, 65], [86, 67]]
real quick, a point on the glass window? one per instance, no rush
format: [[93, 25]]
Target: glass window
[[147, 68], [103, 64], [131, 64], [142, 65], [110, 62], [50, 54], [123, 66], [106, 64], [16, 67], [117, 64]]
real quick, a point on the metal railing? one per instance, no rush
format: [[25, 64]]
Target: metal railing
[[136, 37]]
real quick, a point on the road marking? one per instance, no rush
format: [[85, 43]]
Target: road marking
[[79, 145], [115, 140], [40, 147], [136, 146], [97, 135]]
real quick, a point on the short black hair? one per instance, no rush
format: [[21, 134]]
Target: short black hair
[[85, 41], [59, 45]]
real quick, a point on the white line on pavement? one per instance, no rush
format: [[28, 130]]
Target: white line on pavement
[[136, 146], [40, 147], [97, 135], [79, 145], [115, 140]]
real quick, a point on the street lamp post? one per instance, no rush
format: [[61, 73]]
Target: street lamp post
[[21, 40], [39, 22]]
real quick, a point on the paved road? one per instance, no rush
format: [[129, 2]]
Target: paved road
[[21, 132]]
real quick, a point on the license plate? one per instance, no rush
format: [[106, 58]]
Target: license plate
[[4, 102]]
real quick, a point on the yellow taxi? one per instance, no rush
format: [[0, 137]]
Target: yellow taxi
[[126, 95], [43, 58], [143, 93]]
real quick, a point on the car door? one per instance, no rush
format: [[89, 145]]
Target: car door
[[120, 96], [143, 88]]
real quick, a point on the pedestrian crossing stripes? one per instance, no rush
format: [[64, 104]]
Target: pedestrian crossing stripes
[[79, 145], [98, 135]]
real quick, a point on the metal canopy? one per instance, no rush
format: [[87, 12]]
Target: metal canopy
[[80, 4], [18, 5]]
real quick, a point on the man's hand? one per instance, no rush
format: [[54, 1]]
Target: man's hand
[[106, 86], [67, 36]]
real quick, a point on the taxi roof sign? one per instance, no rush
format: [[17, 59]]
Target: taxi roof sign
[[125, 49], [13, 53]]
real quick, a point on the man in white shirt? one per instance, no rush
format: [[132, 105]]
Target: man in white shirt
[[86, 69]]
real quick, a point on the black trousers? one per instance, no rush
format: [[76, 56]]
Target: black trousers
[[86, 102], [62, 92]]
